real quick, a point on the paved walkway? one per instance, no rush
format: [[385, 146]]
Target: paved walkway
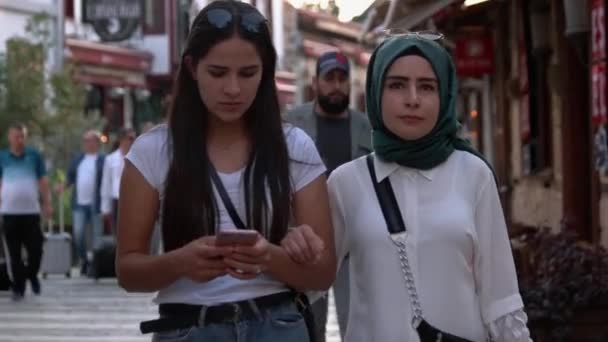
[[80, 309]]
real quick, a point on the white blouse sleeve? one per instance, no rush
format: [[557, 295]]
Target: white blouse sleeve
[[339, 228], [495, 276], [338, 217], [510, 328]]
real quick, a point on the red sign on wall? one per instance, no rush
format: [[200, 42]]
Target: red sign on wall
[[598, 83], [598, 30], [474, 56]]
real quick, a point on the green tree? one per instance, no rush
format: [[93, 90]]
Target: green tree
[[24, 81]]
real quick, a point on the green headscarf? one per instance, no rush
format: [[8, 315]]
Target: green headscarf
[[434, 148]]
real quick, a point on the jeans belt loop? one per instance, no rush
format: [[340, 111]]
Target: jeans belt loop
[[237, 312], [202, 315], [300, 302], [256, 310]]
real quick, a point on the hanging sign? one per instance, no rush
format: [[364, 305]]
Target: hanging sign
[[474, 56], [113, 20]]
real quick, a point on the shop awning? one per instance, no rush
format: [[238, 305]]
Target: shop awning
[[108, 65], [315, 49], [110, 77], [403, 14]]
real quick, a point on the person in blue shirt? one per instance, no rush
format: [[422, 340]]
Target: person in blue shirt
[[23, 186]]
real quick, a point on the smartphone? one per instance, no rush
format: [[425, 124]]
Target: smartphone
[[227, 237]]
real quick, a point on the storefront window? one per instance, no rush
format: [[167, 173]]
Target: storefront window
[[150, 110], [469, 104], [94, 100]]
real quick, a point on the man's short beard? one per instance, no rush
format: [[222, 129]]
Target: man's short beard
[[331, 107]]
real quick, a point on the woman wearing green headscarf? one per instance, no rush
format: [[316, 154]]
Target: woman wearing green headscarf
[[443, 270]]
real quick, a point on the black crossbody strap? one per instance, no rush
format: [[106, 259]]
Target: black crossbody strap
[[387, 200], [234, 215], [301, 299]]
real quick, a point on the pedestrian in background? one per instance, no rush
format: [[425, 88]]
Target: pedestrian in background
[[112, 172], [84, 176], [421, 217], [225, 159], [23, 186], [341, 134]]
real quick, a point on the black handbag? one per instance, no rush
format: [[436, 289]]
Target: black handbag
[[396, 227], [302, 302]]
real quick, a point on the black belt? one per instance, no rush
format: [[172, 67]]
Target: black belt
[[181, 316]]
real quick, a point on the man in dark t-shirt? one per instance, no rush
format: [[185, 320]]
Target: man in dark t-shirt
[[341, 135]]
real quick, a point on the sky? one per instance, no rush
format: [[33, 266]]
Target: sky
[[348, 8]]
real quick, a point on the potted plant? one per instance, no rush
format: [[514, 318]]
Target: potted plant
[[565, 288]]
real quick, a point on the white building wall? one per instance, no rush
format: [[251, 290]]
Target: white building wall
[[12, 25], [158, 46], [14, 15]]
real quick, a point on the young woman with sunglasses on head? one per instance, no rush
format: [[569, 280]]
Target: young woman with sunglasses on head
[[224, 160], [421, 218]]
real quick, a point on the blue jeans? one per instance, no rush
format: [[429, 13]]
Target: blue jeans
[[83, 216], [280, 323]]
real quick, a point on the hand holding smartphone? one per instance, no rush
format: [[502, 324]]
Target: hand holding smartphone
[[229, 237], [251, 255]]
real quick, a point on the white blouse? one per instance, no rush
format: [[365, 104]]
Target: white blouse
[[457, 244]]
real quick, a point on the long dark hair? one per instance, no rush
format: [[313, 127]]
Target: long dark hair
[[189, 207]]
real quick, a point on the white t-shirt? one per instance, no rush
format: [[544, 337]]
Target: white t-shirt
[[110, 183], [457, 245], [85, 180], [19, 176], [149, 154]]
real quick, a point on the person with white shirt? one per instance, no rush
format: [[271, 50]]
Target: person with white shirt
[[224, 160], [84, 176], [112, 172], [432, 262]]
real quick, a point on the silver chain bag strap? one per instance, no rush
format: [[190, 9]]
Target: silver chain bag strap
[[398, 234]]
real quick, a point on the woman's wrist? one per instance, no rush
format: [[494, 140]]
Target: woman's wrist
[[276, 253], [177, 262]]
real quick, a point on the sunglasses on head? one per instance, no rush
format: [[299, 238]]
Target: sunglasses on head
[[252, 21], [425, 35]]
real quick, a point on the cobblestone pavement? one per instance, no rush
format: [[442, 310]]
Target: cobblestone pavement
[[80, 309]]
